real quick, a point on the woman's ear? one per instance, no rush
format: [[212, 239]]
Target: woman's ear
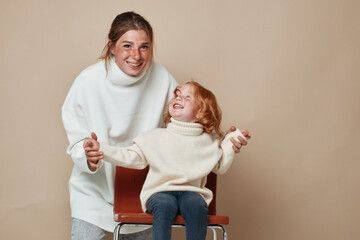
[[111, 45]]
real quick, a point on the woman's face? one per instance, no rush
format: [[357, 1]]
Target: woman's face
[[183, 106], [132, 52]]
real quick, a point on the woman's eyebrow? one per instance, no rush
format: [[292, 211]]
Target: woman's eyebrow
[[132, 43]]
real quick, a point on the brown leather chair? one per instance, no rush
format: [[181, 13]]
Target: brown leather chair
[[127, 207]]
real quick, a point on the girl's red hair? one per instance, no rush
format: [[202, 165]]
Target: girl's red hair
[[210, 114]]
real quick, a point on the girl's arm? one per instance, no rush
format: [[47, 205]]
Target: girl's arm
[[227, 147], [129, 157]]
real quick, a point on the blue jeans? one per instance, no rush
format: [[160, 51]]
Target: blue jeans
[[166, 205]]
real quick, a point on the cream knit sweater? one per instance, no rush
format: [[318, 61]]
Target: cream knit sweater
[[180, 157]]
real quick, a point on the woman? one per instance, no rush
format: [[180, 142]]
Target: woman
[[119, 97]]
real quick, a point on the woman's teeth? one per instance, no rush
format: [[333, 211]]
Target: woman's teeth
[[134, 64]]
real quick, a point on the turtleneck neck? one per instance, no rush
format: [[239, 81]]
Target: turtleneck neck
[[118, 77], [185, 128]]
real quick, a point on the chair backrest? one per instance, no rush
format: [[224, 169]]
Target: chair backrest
[[128, 185]]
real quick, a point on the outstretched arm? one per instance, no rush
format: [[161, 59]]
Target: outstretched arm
[[129, 157]]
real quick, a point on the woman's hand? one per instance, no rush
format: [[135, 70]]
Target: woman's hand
[[242, 142], [92, 153]]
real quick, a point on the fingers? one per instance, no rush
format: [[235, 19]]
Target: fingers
[[246, 134], [93, 136], [236, 150], [93, 158], [93, 165], [92, 148], [93, 154], [231, 129], [236, 145], [242, 140], [239, 141], [91, 145], [87, 143]]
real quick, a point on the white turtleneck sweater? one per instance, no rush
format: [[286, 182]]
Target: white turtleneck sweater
[[180, 157], [117, 107]]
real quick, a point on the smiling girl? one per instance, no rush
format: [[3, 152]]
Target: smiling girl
[[180, 157]]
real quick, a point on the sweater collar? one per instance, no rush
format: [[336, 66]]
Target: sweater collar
[[185, 128], [118, 77]]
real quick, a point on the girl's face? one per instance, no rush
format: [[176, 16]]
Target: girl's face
[[183, 106], [132, 52]]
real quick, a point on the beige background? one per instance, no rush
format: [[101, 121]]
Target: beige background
[[288, 71]]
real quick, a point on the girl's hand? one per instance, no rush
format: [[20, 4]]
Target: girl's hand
[[92, 153], [242, 142]]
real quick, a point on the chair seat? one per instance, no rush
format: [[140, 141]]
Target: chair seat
[[127, 205], [146, 218]]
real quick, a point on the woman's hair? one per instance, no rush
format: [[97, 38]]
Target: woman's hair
[[122, 23], [209, 111]]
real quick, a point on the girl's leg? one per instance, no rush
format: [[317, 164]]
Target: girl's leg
[[193, 208], [164, 207]]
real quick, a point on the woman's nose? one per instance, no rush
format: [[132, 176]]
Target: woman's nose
[[135, 54]]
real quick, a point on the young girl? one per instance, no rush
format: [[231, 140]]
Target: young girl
[[180, 157]]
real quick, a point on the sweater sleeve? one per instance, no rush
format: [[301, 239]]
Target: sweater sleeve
[[129, 157], [76, 128], [228, 153]]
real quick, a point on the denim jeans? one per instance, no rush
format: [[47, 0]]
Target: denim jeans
[[82, 230], [166, 205]]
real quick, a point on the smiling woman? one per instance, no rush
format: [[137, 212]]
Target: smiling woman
[[131, 42], [94, 104], [132, 52]]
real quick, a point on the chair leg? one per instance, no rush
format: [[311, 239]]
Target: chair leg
[[214, 233], [117, 231], [225, 237], [213, 229]]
